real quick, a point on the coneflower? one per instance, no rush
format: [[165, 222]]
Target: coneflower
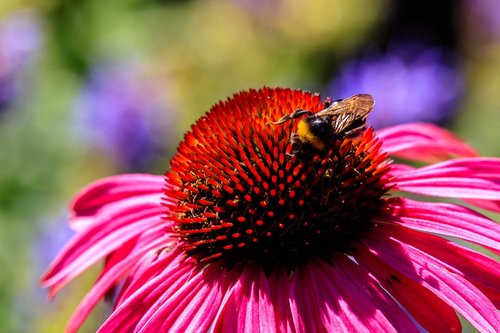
[[243, 235]]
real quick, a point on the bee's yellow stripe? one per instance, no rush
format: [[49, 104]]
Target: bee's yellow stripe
[[304, 133]]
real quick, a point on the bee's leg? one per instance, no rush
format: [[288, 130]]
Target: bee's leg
[[295, 114], [353, 132], [301, 149], [296, 144], [293, 141]]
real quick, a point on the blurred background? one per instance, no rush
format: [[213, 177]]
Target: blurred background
[[91, 88]]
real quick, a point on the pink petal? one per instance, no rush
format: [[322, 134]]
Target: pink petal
[[123, 206], [444, 218], [191, 308], [114, 211], [397, 169], [149, 268], [343, 298], [109, 277], [170, 272], [493, 205], [403, 169], [226, 316], [482, 271], [256, 312], [306, 306], [361, 293], [279, 285], [476, 178], [249, 307], [423, 142], [202, 316], [113, 189], [90, 246], [433, 275], [429, 311]]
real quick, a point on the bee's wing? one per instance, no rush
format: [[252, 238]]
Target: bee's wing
[[360, 105]]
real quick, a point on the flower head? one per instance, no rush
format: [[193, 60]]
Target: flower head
[[243, 234]]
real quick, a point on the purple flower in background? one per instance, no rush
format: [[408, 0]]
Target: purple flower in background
[[124, 113], [20, 39], [409, 85], [53, 234]]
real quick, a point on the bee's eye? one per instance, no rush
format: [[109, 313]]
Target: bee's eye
[[320, 127]]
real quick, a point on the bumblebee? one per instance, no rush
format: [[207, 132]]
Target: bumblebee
[[341, 118]]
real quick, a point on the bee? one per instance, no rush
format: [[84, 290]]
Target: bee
[[341, 118]]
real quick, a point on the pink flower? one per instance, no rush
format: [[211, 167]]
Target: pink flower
[[243, 236]]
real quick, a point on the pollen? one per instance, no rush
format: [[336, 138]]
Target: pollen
[[241, 195]]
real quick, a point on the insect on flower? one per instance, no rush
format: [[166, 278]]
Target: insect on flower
[[343, 117]]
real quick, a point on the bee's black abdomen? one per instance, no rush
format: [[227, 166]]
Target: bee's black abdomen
[[320, 127]]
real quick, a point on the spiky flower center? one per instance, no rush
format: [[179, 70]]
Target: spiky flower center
[[242, 196]]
